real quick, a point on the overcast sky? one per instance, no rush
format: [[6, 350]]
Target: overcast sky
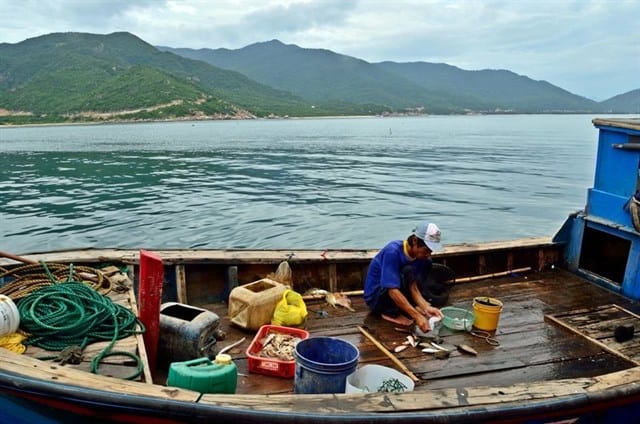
[[588, 47]]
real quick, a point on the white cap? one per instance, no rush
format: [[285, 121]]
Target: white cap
[[430, 234]]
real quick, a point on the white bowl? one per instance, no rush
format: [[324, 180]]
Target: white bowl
[[370, 378]]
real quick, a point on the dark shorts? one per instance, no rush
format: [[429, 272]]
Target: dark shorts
[[382, 302], [435, 289]]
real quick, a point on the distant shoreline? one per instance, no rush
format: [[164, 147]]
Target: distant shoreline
[[155, 121], [395, 115]]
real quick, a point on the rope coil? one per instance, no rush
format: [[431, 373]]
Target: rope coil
[[73, 312], [28, 278], [61, 307]]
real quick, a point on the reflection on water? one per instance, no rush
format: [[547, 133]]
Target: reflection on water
[[322, 183]]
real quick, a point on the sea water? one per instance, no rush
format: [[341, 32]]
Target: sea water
[[286, 184]]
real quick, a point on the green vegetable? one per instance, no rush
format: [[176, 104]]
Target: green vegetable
[[392, 385]]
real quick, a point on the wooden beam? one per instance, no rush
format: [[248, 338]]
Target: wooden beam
[[142, 351], [170, 256], [482, 264], [232, 280], [45, 371], [181, 284], [17, 258], [495, 274], [541, 259], [432, 400], [390, 355], [333, 278], [597, 342], [626, 310]]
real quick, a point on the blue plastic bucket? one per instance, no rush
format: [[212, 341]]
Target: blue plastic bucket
[[323, 364]]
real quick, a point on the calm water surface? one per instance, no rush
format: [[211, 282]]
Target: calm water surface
[[310, 183]]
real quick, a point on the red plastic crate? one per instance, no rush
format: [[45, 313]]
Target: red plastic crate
[[272, 366]]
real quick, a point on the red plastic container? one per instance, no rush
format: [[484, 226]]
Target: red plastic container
[[272, 366]]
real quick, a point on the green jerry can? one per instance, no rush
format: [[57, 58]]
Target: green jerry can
[[204, 376]]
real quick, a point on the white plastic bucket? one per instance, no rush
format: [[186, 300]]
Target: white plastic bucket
[[370, 378], [9, 316]]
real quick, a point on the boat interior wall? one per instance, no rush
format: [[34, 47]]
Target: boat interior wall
[[604, 254], [496, 261], [207, 283], [617, 174], [211, 283], [563, 235], [603, 244]]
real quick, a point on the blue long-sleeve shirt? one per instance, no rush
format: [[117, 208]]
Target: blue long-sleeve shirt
[[385, 269]]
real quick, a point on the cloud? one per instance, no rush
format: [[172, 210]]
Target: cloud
[[589, 47], [299, 18], [25, 19]]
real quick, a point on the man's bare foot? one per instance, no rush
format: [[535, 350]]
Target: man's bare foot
[[400, 320]]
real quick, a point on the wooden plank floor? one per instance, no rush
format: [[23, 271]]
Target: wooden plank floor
[[595, 324], [531, 348]]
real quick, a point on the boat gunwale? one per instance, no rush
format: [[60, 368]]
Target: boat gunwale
[[540, 398], [625, 123], [590, 392], [267, 256]]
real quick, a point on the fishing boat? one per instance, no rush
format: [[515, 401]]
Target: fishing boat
[[556, 352]]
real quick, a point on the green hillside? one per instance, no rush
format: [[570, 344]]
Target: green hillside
[[74, 76], [321, 75], [623, 103], [500, 89], [68, 77]]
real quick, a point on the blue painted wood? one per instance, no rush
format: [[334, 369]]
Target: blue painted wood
[[616, 175], [614, 415], [571, 233], [609, 206], [631, 284], [17, 411]]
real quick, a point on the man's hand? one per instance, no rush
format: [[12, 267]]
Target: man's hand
[[430, 311], [422, 323]]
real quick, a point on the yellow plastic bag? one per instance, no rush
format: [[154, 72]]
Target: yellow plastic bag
[[290, 310]]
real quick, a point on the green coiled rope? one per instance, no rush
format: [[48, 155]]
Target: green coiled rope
[[72, 313]]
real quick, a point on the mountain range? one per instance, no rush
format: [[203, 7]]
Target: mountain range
[[68, 77]]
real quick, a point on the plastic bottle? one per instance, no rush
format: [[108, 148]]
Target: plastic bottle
[[204, 376], [228, 374]]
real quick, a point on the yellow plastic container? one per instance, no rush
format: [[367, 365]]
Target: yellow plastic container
[[251, 306], [487, 311]]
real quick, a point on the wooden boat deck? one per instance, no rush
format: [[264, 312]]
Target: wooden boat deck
[[553, 326], [534, 346]]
